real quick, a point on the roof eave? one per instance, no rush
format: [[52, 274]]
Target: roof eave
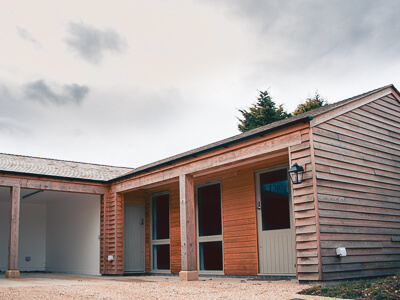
[[54, 176], [150, 167]]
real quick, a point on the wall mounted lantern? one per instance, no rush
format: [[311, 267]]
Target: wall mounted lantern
[[296, 173]]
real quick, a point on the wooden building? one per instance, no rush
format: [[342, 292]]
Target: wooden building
[[227, 208]]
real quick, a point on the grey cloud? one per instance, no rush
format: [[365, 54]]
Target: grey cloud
[[11, 126], [312, 30], [39, 90], [90, 43], [4, 93], [24, 34]]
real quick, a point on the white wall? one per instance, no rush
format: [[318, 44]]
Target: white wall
[[73, 229], [32, 236], [4, 215], [59, 233]]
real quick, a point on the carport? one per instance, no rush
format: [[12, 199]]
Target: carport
[[52, 215], [58, 231]]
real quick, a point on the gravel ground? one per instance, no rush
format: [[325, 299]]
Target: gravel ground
[[57, 286]]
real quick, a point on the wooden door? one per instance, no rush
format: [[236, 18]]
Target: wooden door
[[276, 240], [134, 239]]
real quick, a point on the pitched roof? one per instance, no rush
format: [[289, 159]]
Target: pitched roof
[[59, 168], [77, 170], [257, 131]]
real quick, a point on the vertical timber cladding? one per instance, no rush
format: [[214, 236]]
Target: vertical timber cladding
[[142, 197], [239, 224], [111, 233], [305, 213], [108, 234], [357, 157]]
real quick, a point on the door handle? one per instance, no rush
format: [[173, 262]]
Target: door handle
[[259, 205], [141, 222]]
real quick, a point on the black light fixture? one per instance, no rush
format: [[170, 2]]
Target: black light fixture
[[296, 173]]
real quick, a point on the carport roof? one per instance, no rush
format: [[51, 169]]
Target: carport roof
[[59, 168]]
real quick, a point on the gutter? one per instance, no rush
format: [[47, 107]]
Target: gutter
[[189, 154], [55, 176]]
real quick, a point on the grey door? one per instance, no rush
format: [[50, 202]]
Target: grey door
[[134, 238], [276, 240]]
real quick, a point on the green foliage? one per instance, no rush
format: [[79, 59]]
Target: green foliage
[[262, 113], [387, 288], [310, 104]]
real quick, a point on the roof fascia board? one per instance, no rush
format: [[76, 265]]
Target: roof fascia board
[[184, 156], [352, 105], [53, 184], [396, 94], [230, 158], [85, 180]]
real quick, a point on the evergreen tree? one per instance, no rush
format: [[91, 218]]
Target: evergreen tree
[[262, 113], [310, 104]]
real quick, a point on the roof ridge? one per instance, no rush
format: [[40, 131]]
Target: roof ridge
[[67, 161], [328, 107]]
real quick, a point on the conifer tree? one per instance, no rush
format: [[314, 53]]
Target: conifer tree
[[310, 104], [262, 113]]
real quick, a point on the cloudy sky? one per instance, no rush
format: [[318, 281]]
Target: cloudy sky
[[129, 82]]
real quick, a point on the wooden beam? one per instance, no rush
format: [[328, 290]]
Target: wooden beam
[[188, 225], [316, 209], [53, 184], [15, 193], [199, 165]]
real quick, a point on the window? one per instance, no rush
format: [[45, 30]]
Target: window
[[209, 221], [160, 242], [274, 200]]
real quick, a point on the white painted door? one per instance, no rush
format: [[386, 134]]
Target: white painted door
[[134, 238], [276, 240]]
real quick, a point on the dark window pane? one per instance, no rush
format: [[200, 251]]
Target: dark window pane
[[209, 209], [161, 257], [160, 217], [211, 256], [275, 200]]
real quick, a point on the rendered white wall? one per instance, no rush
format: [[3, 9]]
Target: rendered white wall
[[4, 215], [32, 236], [73, 228]]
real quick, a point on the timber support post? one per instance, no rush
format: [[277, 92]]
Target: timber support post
[[13, 237], [188, 229]]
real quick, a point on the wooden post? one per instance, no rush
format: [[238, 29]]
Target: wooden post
[[13, 236], [188, 229]]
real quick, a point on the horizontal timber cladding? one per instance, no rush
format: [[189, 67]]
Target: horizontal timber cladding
[[142, 197], [357, 158], [305, 213], [239, 223]]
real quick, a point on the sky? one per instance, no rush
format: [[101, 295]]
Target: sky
[[127, 83]]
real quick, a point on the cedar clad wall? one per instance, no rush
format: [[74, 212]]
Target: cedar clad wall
[[142, 197], [357, 156], [111, 220], [239, 221], [304, 204]]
